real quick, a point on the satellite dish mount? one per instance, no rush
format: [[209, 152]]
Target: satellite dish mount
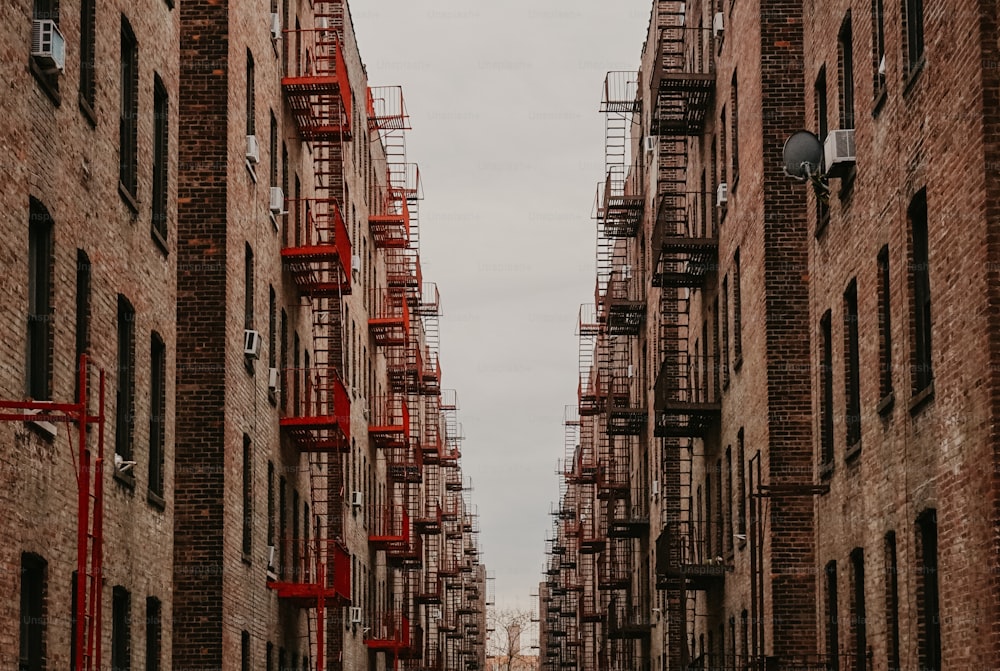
[[802, 156]]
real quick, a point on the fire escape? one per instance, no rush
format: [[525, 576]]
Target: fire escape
[[684, 254], [314, 404], [87, 641]]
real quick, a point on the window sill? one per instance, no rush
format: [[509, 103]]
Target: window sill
[[88, 112], [913, 75], [880, 97], [248, 364], [129, 199], [245, 557], [826, 470], [160, 240], [126, 479], [46, 430], [885, 405], [852, 452], [741, 543], [48, 82], [156, 500], [922, 398], [272, 398], [736, 182]]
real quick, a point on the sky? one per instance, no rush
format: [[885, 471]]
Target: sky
[[503, 98]]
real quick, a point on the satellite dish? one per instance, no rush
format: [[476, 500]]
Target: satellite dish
[[802, 155]]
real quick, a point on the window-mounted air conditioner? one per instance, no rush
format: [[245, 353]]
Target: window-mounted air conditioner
[[722, 195], [357, 498], [277, 200], [253, 150], [355, 614], [251, 343], [272, 379], [649, 143], [718, 24], [271, 570], [275, 26], [47, 44], [322, 25], [356, 263], [838, 152], [656, 487]]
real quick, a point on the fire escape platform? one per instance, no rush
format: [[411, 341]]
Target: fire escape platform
[[307, 595], [626, 421], [309, 97], [681, 102]]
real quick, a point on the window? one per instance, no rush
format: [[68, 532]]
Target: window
[[39, 341], [913, 36], [161, 153], [734, 105], [741, 487], [46, 75], [928, 605], [154, 617], [251, 94], [858, 617], [73, 601], [274, 150], [826, 392], [724, 327], [720, 520], [157, 412], [88, 20], [819, 91], [729, 499], [128, 111], [244, 651], [121, 634], [884, 325], [248, 277], [295, 537], [878, 47], [709, 516], [723, 162], [891, 602], [272, 335], [845, 53], [269, 657], [852, 373], [737, 312], [920, 289], [284, 357], [125, 406], [270, 503], [83, 277], [247, 494], [832, 620], [282, 522], [281, 659], [32, 615]]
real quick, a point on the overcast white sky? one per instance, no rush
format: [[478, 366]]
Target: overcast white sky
[[503, 98]]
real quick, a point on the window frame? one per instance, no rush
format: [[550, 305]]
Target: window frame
[[121, 629], [157, 417], [160, 217], [128, 112], [125, 385], [40, 336], [852, 370], [32, 612], [920, 289]]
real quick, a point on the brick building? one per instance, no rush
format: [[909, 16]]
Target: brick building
[[780, 456], [285, 489]]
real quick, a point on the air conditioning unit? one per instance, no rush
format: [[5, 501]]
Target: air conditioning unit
[[272, 379], [838, 152], [357, 498], [253, 149], [649, 143], [277, 200], [47, 44], [631, 371], [722, 195], [356, 263], [271, 570], [718, 24], [275, 26], [627, 271], [251, 343], [656, 488], [366, 412], [322, 25], [355, 614]]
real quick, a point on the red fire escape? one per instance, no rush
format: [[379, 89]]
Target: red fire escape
[[86, 642], [315, 406], [684, 254]]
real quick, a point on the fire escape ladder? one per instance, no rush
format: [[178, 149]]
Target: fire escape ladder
[[682, 85]]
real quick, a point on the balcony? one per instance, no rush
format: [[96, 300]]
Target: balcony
[[686, 396], [318, 251], [613, 569], [593, 536], [404, 464], [408, 554], [684, 554], [628, 622], [390, 225], [389, 632], [685, 253], [404, 367], [681, 87], [402, 268], [320, 98], [389, 423], [619, 211], [386, 109], [623, 304], [430, 591], [317, 410], [430, 524], [612, 477], [628, 517], [626, 404], [319, 571], [430, 381], [389, 320], [592, 387], [391, 527]]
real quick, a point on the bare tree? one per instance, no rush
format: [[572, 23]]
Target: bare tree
[[507, 629]]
